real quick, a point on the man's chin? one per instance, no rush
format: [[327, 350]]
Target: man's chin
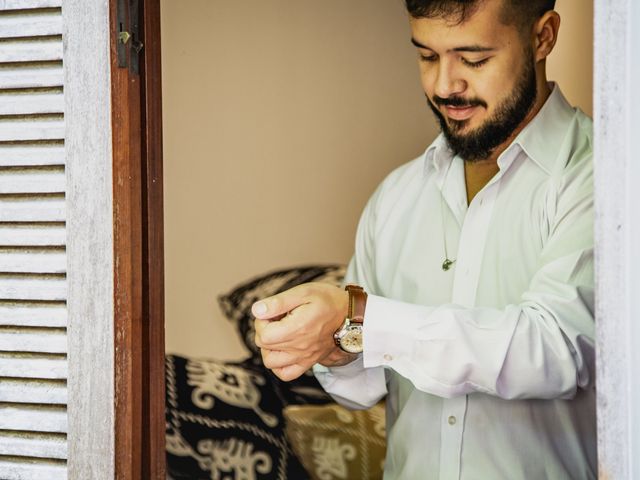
[[460, 128]]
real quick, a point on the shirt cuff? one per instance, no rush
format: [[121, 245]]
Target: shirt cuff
[[389, 329]]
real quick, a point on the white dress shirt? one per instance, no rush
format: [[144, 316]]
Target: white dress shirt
[[488, 368]]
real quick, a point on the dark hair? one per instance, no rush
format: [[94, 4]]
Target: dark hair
[[521, 13]]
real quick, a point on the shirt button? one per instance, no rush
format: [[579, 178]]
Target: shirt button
[[452, 420], [387, 357]]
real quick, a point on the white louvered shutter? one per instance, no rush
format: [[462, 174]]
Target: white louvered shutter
[[33, 313]]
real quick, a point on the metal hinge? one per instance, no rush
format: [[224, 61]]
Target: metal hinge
[[129, 44]]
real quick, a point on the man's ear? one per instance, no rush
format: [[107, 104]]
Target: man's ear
[[545, 34]]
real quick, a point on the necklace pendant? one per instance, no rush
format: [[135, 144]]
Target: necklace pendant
[[446, 265]]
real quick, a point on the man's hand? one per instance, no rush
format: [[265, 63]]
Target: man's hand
[[294, 329]]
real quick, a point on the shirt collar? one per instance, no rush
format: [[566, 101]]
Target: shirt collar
[[540, 139], [438, 155]]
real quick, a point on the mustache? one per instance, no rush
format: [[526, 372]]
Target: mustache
[[456, 101]]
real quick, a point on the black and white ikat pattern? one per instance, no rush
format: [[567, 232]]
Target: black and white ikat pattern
[[224, 422]]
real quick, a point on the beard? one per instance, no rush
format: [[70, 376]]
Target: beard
[[480, 143]]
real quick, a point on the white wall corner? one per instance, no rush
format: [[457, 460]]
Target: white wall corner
[[617, 189]]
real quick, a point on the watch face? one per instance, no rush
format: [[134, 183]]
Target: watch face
[[351, 340]]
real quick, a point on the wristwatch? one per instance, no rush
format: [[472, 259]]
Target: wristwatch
[[349, 336]]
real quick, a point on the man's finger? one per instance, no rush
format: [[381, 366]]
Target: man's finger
[[279, 304], [273, 338], [290, 372], [278, 334], [273, 359]]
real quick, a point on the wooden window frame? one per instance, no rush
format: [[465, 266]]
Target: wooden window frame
[[113, 153], [138, 253]]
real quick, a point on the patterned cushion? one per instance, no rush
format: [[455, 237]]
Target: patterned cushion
[[224, 421], [236, 305], [335, 443]]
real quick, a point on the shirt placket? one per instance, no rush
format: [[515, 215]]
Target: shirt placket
[[466, 275]]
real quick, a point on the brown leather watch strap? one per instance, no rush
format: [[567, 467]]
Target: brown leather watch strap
[[357, 303]]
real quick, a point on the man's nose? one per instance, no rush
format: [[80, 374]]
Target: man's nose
[[448, 81]]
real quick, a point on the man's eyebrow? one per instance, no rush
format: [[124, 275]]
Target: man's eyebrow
[[465, 48]]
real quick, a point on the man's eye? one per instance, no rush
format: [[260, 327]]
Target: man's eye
[[428, 58], [476, 64]]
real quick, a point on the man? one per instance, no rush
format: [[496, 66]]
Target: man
[[477, 262]]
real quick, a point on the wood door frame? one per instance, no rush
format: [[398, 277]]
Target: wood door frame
[[139, 401]]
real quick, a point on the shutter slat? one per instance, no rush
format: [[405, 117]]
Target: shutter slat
[[33, 103], [27, 4], [23, 470], [32, 181], [32, 288], [30, 209], [20, 315], [28, 76], [31, 418], [20, 155], [33, 391], [53, 315], [40, 50], [33, 445], [42, 342], [32, 236], [13, 130], [26, 261], [19, 24], [42, 368]]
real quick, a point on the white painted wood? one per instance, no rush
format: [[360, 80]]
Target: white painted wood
[[90, 239], [22, 470], [33, 391], [33, 235], [37, 368], [633, 267], [32, 418], [51, 180], [15, 155], [32, 288], [31, 50], [32, 209], [26, 4], [39, 341], [31, 103], [31, 76], [30, 315], [22, 129], [23, 24], [32, 261], [617, 151], [33, 445]]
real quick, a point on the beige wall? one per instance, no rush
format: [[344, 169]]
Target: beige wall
[[571, 63], [280, 118]]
